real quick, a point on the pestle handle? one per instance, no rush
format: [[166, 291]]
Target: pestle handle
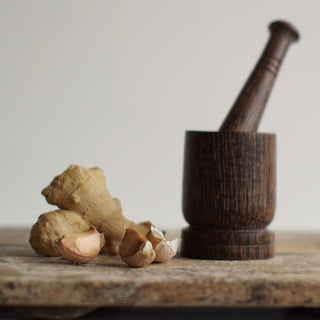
[[247, 110]]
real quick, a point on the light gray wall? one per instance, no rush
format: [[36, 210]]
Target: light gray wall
[[115, 84]]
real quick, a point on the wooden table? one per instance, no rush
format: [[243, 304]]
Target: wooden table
[[290, 279]]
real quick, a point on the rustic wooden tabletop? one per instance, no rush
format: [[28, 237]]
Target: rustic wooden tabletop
[[290, 279]]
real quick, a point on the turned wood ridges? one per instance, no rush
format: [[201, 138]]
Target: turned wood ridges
[[229, 176], [248, 108]]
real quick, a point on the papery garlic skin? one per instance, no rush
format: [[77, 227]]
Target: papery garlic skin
[[166, 250], [144, 256], [136, 250], [163, 248]]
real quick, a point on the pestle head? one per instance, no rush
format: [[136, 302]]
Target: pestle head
[[246, 112], [278, 25]]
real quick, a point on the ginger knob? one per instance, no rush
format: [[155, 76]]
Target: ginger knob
[[52, 226], [84, 191]]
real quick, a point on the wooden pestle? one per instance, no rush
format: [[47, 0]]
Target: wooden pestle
[[247, 110], [229, 180]]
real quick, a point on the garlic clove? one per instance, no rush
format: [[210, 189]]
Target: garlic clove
[[136, 250], [164, 249], [81, 247]]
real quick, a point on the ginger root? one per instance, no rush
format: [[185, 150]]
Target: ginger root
[[84, 191], [84, 201]]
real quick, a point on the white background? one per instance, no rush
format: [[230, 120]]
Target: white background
[[115, 84]]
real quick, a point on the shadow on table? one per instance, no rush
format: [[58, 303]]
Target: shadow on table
[[188, 313]]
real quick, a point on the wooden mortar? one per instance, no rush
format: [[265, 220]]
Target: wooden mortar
[[229, 176]]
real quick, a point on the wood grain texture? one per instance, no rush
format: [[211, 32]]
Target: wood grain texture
[[229, 194], [229, 176], [227, 244], [290, 279], [248, 108]]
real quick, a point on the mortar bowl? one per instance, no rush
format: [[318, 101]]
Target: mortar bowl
[[229, 183]]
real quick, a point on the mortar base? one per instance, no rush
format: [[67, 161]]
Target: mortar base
[[216, 244]]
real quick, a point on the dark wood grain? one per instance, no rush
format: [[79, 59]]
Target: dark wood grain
[[227, 244], [229, 176], [248, 108], [229, 195]]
